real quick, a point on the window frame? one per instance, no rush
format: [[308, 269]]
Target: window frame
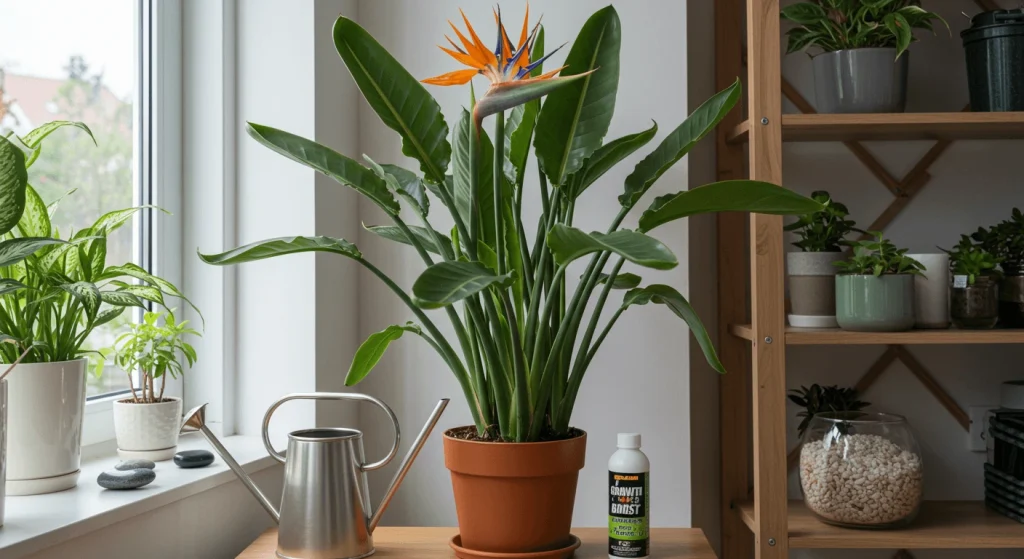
[[156, 176]]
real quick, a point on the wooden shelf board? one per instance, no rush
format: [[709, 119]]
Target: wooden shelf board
[[940, 525], [894, 127], [835, 336]]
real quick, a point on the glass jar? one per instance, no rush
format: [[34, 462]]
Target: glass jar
[[975, 306], [861, 470]]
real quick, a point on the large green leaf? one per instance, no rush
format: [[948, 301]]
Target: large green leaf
[[727, 196], [370, 352], [575, 119], [282, 246], [606, 157], [393, 233], [410, 187], [138, 272], [107, 316], [144, 292], [327, 161], [13, 251], [34, 138], [622, 281], [568, 244], [462, 176], [112, 221], [398, 98], [519, 127], [35, 221], [13, 180], [10, 286], [668, 296], [679, 142], [450, 282], [120, 299], [88, 295]]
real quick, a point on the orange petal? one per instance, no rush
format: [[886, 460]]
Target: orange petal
[[526, 22], [458, 77], [454, 46], [506, 45], [471, 48], [550, 74], [463, 58], [481, 47]]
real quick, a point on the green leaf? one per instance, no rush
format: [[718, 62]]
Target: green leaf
[[575, 119], [804, 13], [107, 316], [121, 299], [370, 352], [678, 143], [282, 246], [13, 251], [450, 282], [112, 221], [399, 99], [727, 196], [10, 286], [35, 221], [514, 256], [34, 138], [393, 233], [521, 123], [622, 281], [900, 27], [668, 296], [462, 138], [568, 244], [327, 161], [13, 181], [88, 295], [606, 157], [410, 187]]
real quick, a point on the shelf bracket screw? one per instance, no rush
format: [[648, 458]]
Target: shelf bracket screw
[[771, 542], [764, 120], [767, 339]]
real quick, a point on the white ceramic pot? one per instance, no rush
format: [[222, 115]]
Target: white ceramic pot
[[147, 428], [931, 291], [46, 405]]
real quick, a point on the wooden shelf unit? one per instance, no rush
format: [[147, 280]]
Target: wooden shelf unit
[[893, 127], [939, 525], [835, 336], [752, 332]]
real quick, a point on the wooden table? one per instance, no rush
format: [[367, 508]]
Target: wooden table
[[432, 543]]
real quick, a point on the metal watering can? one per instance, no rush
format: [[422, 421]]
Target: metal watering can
[[325, 505]]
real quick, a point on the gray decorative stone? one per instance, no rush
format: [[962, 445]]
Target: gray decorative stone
[[126, 479], [135, 465], [193, 458]]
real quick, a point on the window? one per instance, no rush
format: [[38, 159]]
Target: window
[[88, 62]]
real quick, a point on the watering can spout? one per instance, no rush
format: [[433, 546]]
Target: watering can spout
[[195, 420], [410, 457]]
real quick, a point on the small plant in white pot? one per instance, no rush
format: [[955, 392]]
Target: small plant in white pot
[[147, 424], [863, 64], [812, 271], [875, 287]]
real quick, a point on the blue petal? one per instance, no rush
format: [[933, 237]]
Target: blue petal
[[541, 61]]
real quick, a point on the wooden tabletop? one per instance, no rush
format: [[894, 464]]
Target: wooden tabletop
[[432, 543]]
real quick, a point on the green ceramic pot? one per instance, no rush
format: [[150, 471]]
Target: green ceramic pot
[[875, 304]]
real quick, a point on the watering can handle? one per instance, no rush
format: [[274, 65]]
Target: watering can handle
[[333, 396]]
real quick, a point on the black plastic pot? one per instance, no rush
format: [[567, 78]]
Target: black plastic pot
[[994, 46], [975, 306], [1011, 302]]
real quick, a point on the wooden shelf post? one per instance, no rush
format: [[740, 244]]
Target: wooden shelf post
[[764, 86]]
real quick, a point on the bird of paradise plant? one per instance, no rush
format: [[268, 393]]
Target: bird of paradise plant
[[524, 347]]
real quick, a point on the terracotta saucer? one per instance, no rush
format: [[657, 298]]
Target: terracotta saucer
[[563, 553]]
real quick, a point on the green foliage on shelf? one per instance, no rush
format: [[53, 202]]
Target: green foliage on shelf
[[822, 399], [971, 260], [1005, 240], [878, 256], [825, 230]]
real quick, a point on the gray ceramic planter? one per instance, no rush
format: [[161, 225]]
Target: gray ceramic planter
[[875, 304], [870, 80], [812, 288]]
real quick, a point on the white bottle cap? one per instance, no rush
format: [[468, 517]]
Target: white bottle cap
[[629, 440]]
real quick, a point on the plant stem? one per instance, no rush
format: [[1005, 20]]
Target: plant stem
[[499, 177], [523, 410], [569, 400]]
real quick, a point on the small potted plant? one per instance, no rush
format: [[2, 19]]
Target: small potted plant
[[147, 424], [812, 271], [974, 298], [820, 399], [862, 66], [875, 287], [1005, 241]]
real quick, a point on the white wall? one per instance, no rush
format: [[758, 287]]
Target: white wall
[[974, 183], [646, 356]]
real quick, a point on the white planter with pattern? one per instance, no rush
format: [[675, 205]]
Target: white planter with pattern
[[147, 427]]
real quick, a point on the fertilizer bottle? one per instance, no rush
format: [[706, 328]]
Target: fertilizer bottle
[[628, 500]]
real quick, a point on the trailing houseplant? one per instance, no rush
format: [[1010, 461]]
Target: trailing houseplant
[[148, 422], [875, 287], [812, 284], [523, 344], [862, 64], [54, 292], [1005, 240]]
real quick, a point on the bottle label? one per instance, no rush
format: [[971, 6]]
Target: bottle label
[[628, 531]]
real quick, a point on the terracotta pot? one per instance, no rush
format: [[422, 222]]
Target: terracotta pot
[[514, 497]]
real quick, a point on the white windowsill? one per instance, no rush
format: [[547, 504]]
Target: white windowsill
[[37, 522]]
